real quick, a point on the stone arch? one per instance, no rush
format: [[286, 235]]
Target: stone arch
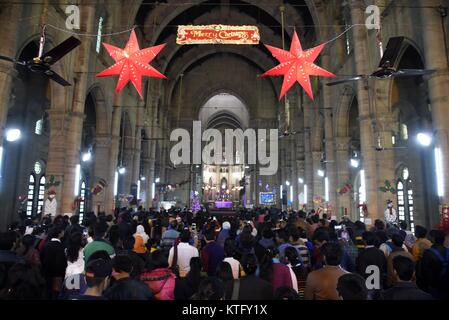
[[101, 109], [342, 115]]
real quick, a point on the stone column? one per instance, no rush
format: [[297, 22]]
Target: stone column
[[343, 175], [318, 182], [75, 129], [367, 137], [128, 157], [113, 155], [9, 13], [329, 138], [101, 171], [436, 58], [308, 162]]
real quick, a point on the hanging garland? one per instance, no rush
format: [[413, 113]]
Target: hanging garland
[[387, 188], [52, 183], [345, 189]]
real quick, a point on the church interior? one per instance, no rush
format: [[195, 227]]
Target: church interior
[[373, 133]]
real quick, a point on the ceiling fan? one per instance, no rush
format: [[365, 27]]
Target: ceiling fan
[[386, 68], [43, 62]]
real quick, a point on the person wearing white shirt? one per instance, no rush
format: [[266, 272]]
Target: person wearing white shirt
[[185, 253], [229, 249]]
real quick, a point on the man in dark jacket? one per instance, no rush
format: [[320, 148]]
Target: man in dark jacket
[[252, 287], [405, 288], [125, 287], [430, 268], [371, 256], [8, 257], [54, 261], [212, 254]]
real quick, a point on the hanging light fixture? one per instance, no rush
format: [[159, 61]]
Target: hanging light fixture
[[12, 135]]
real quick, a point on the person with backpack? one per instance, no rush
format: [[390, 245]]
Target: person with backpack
[[434, 268]]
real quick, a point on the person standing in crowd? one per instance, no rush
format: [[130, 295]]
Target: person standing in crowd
[[372, 256], [28, 252], [212, 254], [404, 288], [186, 287], [182, 253], [75, 255], [252, 287], [98, 274], [434, 267], [300, 271], [169, 237], [224, 233], [8, 257], [421, 243], [273, 271], [409, 236], [54, 262], [159, 277], [141, 240], [138, 260], [229, 250], [124, 287], [99, 243], [352, 286], [397, 250], [322, 284]]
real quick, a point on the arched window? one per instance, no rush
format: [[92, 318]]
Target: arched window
[[405, 199], [83, 201], [31, 193], [40, 199]]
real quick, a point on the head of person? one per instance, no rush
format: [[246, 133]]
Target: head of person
[[315, 218], [224, 271], [229, 247], [249, 264], [56, 232], [74, 245], [100, 230], [404, 268], [211, 289], [158, 260], [398, 240], [100, 254], [128, 243], [420, 232], [352, 286], [185, 236], [294, 235], [286, 293], [359, 225], [24, 282], [379, 225], [28, 242], [371, 239], [438, 237], [332, 253], [320, 237], [210, 235], [382, 236], [122, 266], [74, 220], [403, 225], [292, 256], [226, 225], [98, 273], [282, 236]]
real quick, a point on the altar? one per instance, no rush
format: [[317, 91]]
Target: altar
[[224, 204]]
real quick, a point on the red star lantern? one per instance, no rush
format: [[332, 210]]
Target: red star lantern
[[132, 63], [297, 65]]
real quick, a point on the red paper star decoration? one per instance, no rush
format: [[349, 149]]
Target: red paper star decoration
[[297, 65], [132, 63]]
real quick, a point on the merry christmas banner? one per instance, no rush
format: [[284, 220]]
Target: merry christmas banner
[[218, 34]]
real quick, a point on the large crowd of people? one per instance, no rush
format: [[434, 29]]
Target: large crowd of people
[[258, 254]]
